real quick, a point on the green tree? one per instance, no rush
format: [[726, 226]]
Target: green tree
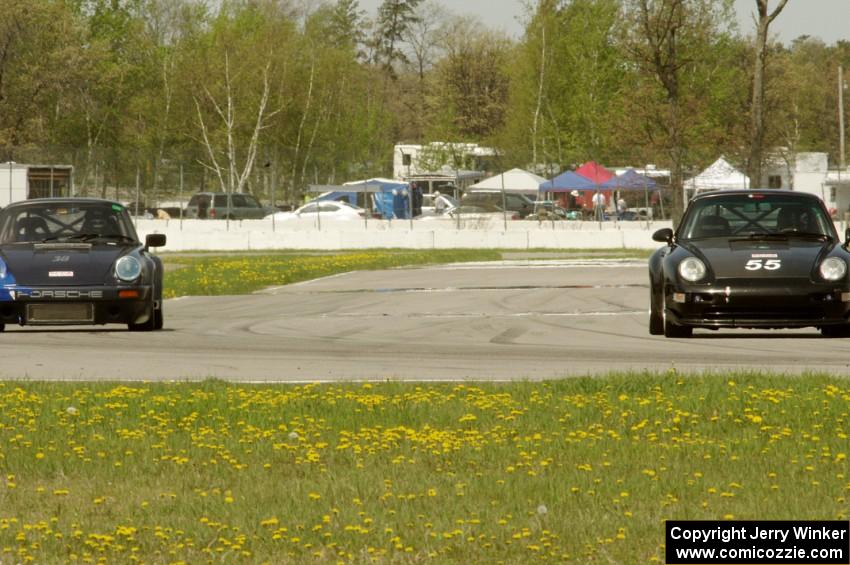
[[410, 93], [394, 20], [115, 72], [342, 25], [469, 94], [40, 54], [231, 79], [566, 85], [801, 96], [757, 126], [680, 52]]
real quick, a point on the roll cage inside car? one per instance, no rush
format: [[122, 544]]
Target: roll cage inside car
[[747, 215], [44, 222]]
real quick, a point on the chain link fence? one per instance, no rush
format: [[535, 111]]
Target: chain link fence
[[135, 179], [146, 183]]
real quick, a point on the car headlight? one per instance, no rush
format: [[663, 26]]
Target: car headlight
[[833, 269], [2, 269], [692, 269], [128, 268]]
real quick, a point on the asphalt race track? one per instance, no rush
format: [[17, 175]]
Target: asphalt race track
[[499, 321]]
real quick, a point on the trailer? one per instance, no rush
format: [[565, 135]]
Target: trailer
[[19, 181]]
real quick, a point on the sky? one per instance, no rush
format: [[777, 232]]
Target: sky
[[827, 19]]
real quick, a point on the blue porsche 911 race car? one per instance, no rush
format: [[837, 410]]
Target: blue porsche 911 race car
[[751, 259], [76, 261]]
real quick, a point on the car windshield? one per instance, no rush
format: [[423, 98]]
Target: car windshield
[[755, 215], [74, 221], [244, 201]]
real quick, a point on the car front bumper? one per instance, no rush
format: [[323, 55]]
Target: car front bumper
[[759, 304], [51, 306]]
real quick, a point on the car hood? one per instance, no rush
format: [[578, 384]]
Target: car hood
[[63, 264], [795, 257]]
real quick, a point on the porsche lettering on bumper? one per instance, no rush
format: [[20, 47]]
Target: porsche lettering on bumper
[[70, 306], [57, 294]]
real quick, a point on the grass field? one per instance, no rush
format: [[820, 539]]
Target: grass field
[[216, 273], [577, 469]]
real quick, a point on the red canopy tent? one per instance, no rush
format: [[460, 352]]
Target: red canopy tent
[[597, 174]]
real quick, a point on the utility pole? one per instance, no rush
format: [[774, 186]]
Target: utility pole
[[841, 116]]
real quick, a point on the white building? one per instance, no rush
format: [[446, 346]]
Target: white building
[[410, 160], [20, 182], [807, 172], [812, 174]]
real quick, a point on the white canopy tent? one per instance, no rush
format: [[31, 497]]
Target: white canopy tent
[[721, 175], [515, 180]]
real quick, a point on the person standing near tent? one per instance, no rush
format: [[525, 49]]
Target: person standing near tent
[[416, 195], [203, 206], [621, 207], [439, 203], [598, 201]]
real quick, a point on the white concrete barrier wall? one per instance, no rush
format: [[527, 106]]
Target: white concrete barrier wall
[[219, 235]]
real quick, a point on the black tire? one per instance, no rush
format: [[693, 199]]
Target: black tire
[[656, 312], [148, 326], [2, 327], [158, 312], [835, 331], [157, 318]]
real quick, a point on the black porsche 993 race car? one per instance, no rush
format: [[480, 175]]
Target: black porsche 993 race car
[[77, 261], [751, 259]]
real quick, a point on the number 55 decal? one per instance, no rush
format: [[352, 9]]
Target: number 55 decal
[[767, 265]]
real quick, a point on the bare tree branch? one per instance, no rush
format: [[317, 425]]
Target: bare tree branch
[[210, 151]]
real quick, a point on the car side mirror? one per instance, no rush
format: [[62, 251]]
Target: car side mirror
[[664, 235], [154, 240]]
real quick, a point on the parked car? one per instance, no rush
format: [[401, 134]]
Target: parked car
[[516, 201], [751, 259], [77, 261], [215, 205], [326, 209]]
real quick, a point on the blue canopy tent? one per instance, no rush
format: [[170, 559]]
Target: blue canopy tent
[[339, 195], [632, 180], [567, 182], [388, 197]]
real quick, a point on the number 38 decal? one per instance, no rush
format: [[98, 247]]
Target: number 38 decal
[[766, 264]]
